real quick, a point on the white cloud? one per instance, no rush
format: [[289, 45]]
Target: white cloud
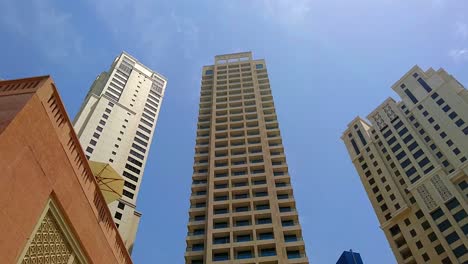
[[286, 12], [459, 54], [148, 29], [50, 29], [461, 30]]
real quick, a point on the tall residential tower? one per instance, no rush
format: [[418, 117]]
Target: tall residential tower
[[116, 124], [242, 203], [412, 161]]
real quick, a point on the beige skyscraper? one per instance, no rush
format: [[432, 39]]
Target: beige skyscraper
[[412, 161], [242, 204], [116, 125]]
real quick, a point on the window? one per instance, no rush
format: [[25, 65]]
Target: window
[[401, 155], [439, 249], [243, 223], [259, 66], [405, 163], [245, 254], [356, 149], [121, 205], [361, 137], [89, 149], [134, 161], [107, 110], [452, 237], [444, 225], [130, 176], [293, 254], [136, 154], [209, 72], [410, 172], [221, 256], [408, 139], [419, 244], [135, 146], [437, 214], [440, 101], [460, 122], [423, 162], [424, 85], [197, 247], [221, 240], [265, 236], [263, 221], [419, 214], [118, 215], [243, 238], [144, 129], [453, 115], [131, 168], [142, 135], [460, 215], [128, 194], [396, 147], [453, 203], [411, 96], [460, 251], [265, 252], [432, 237], [391, 140], [425, 257], [98, 128], [425, 225]]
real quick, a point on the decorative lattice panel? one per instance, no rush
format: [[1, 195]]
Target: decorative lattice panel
[[49, 245], [441, 188], [427, 198], [389, 111], [379, 121]]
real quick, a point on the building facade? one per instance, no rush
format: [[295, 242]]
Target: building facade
[[242, 208], [116, 124], [412, 161], [350, 257], [51, 207]]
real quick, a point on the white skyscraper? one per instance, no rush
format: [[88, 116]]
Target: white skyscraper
[[116, 124], [412, 160]]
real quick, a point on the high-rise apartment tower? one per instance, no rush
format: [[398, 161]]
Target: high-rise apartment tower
[[116, 124], [412, 161], [242, 205]]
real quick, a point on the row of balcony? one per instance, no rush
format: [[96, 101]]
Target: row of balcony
[[240, 151], [244, 222], [265, 254]]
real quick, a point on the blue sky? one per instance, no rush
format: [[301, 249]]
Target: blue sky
[[328, 61]]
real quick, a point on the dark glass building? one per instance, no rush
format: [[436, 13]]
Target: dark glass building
[[350, 257]]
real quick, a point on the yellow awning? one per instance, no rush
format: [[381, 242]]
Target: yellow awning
[[109, 181]]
